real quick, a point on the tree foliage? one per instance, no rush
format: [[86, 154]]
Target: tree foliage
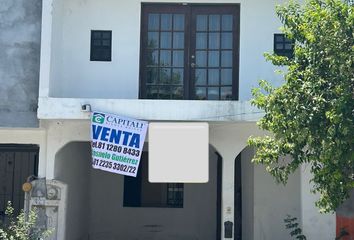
[[311, 116]]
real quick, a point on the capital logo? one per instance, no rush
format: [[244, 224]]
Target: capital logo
[[98, 117]]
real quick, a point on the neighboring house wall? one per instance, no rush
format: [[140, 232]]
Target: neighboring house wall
[[20, 27]]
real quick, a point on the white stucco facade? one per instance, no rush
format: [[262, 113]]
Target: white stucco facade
[[94, 202]]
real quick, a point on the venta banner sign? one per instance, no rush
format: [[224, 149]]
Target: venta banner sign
[[117, 143]]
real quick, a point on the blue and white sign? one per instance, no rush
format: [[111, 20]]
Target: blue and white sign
[[117, 143]]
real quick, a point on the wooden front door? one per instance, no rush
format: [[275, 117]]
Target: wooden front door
[[17, 162]]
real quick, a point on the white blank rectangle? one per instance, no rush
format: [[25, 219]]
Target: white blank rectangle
[[179, 152]]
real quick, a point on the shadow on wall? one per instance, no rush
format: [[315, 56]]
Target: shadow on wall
[[95, 204]]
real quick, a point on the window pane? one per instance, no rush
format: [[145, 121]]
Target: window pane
[[177, 76], [178, 58], [226, 76], [287, 40], [288, 46], [178, 40], [214, 40], [152, 57], [106, 35], [202, 22], [178, 22], [227, 22], [226, 93], [152, 76], [201, 58], [153, 40], [200, 77], [214, 22], [279, 38], [201, 41], [153, 22], [166, 40], [213, 77], [165, 58], [97, 42], [165, 92], [226, 40], [152, 92], [166, 22], [106, 43], [97, 34], [213, 93], [213, 59], [200, 93], [106, 54], [177, 92], [226, 58], [279, 46], [165, 75]]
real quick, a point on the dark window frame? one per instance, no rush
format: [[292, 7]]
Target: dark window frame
[[94, 48], [283, 51], [189, 46], [132, 195]]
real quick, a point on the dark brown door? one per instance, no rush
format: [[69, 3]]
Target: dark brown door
[[17, 162], [189, 51]]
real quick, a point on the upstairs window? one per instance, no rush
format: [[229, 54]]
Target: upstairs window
[[283, 46], [189, 51], [101, 45]]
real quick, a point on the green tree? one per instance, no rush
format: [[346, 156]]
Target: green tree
[[311, 116]]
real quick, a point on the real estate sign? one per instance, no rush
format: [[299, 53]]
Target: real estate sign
[[117, 143]]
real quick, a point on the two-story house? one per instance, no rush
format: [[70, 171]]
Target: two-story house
[[176, 61]]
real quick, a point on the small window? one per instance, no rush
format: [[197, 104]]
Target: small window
[[101, 45], [283, 46], [139, 192]]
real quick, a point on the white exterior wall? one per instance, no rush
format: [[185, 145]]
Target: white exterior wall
[[265, 204], [74, 75], [68, 79], [315, 225], [72, 170], [27, 136]]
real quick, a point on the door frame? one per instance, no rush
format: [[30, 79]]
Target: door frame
[[190, 10], [20, 148], [238, 198]]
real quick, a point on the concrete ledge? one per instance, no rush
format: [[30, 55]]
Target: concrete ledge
[[165, 110]]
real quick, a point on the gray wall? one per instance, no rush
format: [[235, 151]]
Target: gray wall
[[20, 26], [72, 167], [247, 180]]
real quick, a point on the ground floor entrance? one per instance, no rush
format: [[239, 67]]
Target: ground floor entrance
[[106, 206]]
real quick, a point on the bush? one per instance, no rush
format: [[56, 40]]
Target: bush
[[21, 227]]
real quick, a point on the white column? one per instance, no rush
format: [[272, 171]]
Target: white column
[[229, 140], [46, 42]]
